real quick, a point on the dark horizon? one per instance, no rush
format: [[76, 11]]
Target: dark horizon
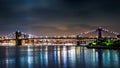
[[58, 17]]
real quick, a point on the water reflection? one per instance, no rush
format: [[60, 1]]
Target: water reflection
[[58, 57]]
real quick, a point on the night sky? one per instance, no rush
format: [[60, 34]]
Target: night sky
[[58, 17]]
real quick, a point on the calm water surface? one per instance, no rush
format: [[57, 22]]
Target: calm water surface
[[58, 57]]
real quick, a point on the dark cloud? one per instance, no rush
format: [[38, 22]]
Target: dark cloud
[[58, 16]]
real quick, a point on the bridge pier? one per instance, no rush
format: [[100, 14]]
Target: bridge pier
[[99, 33], [18, 38], [18, 42], [32, 41], [78, 40]]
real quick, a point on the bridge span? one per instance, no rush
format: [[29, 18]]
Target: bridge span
[[20, 38]]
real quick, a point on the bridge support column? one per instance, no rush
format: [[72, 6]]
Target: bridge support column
[[32, 41], [18, 38], [78, 41], [18, 42], [99, 33]]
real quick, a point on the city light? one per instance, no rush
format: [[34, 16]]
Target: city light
[[29, 39]]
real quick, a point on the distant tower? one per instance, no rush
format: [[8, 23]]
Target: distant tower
[[18, 38], [99, 32]]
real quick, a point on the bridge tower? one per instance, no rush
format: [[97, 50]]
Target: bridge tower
[[18, 38], [99, 32]]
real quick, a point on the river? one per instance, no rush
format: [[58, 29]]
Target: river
[[58, 57]]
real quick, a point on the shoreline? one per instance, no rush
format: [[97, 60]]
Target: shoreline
[[102, 47]]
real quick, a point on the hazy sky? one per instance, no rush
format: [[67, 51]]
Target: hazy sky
[[58, 17]]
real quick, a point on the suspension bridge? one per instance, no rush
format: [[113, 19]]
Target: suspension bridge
[[20, 38]]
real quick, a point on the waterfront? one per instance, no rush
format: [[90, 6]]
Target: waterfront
[[58, 57]]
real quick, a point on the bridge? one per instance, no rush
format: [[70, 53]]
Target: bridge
[[20, 38]]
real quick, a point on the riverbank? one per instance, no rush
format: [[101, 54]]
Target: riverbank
[[102, 47]]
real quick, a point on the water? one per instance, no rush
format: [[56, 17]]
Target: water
[[58, 57]]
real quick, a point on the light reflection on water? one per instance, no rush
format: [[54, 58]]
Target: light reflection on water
[[58, 57]]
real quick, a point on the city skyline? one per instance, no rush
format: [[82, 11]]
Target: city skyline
[[58, 17]]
